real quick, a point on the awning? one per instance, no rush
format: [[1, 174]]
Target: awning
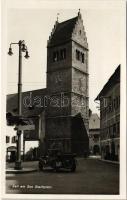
[[11, 148]]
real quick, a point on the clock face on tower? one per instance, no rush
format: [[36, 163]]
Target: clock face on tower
[[82, 85]]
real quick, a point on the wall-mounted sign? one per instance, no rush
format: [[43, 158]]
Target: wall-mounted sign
[[25, 127], [31, 131]]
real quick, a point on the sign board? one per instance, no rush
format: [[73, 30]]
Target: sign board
[[25, 127], [32, 131]]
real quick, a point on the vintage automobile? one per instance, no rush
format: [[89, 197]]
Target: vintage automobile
[[57, 160]]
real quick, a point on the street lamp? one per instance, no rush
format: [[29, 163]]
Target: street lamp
[[22, 48]]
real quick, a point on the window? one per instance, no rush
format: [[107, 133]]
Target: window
[[82, 56], [114, 130], [117, 102], [109, 130], [59, 55], [14, 139], [105, 102], [55, 56], [114, 103], [7, 139], [110, 107], [77, 54], [62, 54], [111, 134], [118, 128]]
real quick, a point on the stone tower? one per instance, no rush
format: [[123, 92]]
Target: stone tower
[[67, 110]]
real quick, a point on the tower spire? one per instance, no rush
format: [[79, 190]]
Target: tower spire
[[79, 14], [57, 19]]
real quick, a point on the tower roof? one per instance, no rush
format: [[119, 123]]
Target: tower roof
[[62, 31]]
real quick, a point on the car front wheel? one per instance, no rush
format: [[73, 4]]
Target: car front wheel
[[73, 167], [41, 166]]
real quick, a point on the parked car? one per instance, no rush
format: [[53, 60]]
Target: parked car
[[58, 160]]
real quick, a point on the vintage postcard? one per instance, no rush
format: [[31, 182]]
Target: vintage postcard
[[63, 99]]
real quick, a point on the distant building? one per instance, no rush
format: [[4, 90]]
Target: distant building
[[109, 98], [94, 134]]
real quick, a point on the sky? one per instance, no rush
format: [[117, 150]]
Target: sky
[[33, 21], [103, 25]]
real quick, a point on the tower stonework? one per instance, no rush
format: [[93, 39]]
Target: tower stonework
[[67, 110]]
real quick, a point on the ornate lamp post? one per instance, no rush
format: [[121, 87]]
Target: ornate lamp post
[[22, 48]]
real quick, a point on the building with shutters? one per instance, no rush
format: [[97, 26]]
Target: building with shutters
[[63, 106], [109, 98]]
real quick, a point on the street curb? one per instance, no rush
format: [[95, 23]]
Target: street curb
[[23, 171], [109, 161]]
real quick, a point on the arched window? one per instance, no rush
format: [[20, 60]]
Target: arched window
[[62, 54], [59, 55], [77, 54], [55, 56], [80, 32], [82, 57]]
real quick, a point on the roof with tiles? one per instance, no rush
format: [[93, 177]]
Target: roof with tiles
[[12, 102], [62, 31], [113, 80]]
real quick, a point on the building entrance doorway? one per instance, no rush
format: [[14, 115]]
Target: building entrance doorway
[[11, 154], [96, 149]]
